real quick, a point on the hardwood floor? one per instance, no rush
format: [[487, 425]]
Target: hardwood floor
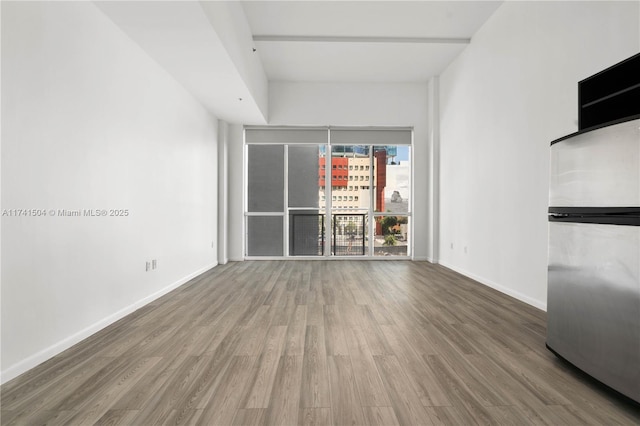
[[314, 343]]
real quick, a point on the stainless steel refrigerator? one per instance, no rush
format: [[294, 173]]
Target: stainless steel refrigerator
[[593, 305]]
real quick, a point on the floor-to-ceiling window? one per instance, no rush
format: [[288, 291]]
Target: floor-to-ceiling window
[[328, 192]]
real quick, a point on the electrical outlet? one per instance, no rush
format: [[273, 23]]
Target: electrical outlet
[[154, 264], [465, 249], [147, 266], [451, 246]]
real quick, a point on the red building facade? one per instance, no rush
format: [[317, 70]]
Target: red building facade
[[339, 171]]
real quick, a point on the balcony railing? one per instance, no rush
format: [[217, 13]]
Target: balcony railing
[[307, 234]]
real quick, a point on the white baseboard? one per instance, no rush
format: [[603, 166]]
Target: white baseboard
[[422, 259], [53, 350], [508, 291]]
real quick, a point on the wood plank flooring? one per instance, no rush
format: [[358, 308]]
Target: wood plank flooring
[[315, 343]]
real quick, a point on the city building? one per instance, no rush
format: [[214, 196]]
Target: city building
[[351, 180]]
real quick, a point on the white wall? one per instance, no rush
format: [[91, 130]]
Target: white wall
[[91, 122], [236, 193], [433, 184], [223, 192], [503, 100], [362, 104]]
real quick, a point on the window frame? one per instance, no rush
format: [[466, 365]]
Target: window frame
[[329, 190]]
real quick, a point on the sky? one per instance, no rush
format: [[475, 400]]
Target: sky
[[403, 153]]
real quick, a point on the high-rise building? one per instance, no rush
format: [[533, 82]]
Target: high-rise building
[[352, 177]]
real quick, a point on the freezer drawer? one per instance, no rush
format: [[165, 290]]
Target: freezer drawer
[[600, 168], [593, 304]]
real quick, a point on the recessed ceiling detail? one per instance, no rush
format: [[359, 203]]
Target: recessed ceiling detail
[[225, 51], [362, 41]]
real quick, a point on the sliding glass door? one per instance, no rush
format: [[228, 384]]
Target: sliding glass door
[[324, 199], [350, 199]]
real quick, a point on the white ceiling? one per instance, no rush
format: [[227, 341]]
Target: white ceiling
[[394, 38], [208, 46], [182, 38]]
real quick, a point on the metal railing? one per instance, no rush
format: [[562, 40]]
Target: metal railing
[[348, 237], [307, 234]]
